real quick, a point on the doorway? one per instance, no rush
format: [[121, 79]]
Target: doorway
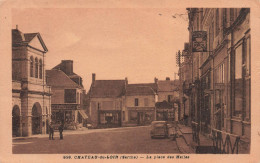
[[16, 121], [36, 119]]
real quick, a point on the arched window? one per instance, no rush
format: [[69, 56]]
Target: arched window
[[31, 66], [36, 68], [40, 69]]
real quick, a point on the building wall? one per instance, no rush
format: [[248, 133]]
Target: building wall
[[29, 91], [104, 104], [164, 95]]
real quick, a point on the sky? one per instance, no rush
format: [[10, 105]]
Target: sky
[[114, 43]]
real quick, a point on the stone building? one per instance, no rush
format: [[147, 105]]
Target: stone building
[[167, 106], [105, 98], [31, 97], [219, 89], [67, 95], [139, 103]]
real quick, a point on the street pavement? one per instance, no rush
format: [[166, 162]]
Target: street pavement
[[127, 140]]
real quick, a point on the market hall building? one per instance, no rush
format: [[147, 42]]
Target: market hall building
[[31, 97], [67, 96]]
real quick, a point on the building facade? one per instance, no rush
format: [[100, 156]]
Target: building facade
[[67, 95], [31, 97], [105, 98], [139, 103], [220, 85]]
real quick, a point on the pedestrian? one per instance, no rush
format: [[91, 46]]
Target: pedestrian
[[61, 130], [51, 131]]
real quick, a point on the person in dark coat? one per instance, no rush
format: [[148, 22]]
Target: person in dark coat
[[61, 130], [51, 131]]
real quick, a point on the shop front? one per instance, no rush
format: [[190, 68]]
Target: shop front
[[109, 118], [141, 116]]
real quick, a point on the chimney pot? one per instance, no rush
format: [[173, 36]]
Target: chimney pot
[[93, 77]]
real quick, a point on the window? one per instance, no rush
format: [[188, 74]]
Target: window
[[217, 22], [136, 102], [31, 66], [232, 14], [70, 96], [219, 73], [169, 98], [123, 112], [78, 98], [36, 68], [146, 103], [238, 90], [40, 69]]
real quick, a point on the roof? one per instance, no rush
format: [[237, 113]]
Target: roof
[[29, 36], [152, 85], [60, 79], [139, 89], [168, 85], [107, 88], [19, 38]]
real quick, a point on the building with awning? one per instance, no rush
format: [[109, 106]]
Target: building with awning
[[68, 91]]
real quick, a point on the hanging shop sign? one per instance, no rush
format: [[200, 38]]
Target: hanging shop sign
[[199, 41]]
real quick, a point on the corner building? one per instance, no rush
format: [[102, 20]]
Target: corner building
[[31, 97]]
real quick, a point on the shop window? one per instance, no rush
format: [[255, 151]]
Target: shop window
[[36, 68], [70, 95], [136, 102], [133, 116], [31, 66], [40, 69]]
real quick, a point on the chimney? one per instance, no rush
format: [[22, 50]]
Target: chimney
[[155, 80], [126, 80], [67, 66], [16, 26], [168, 78], [93, 77]]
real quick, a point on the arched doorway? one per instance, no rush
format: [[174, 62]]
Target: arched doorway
[[16, 121], [36, 119]]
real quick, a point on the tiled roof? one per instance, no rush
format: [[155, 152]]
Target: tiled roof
[[139, 89], [168, 85], [107, 88], [60, 79], [152, 85]]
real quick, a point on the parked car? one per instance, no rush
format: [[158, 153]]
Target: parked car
[[159, 129]]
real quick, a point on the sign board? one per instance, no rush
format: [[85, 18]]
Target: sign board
[[199, 41]]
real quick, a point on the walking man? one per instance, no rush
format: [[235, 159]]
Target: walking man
[[61, 130], [51, 130]]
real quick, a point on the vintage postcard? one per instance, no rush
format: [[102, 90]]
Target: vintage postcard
[[129, 81]]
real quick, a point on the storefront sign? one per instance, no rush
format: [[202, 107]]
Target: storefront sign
[[199, 41], [64, 107]]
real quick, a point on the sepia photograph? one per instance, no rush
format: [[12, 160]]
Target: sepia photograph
[[204, 108], [133, 83]]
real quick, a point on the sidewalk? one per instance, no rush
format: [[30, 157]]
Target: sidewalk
[[205, 142]]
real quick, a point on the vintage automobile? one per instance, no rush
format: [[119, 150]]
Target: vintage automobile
[[159, 129]]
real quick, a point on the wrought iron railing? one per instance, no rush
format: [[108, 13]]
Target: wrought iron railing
[[222, 142], [195, 132]]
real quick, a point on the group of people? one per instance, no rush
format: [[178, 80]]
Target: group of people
[[51, 131]]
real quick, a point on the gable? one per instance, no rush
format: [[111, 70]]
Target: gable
[[36, 43]]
